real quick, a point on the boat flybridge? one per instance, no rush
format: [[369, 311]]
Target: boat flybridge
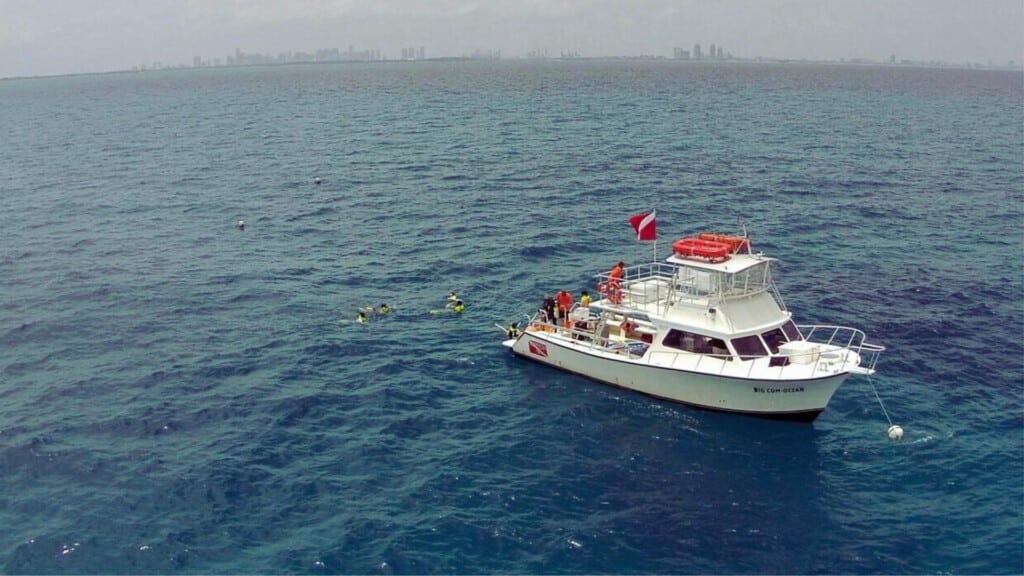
[[706, 327]]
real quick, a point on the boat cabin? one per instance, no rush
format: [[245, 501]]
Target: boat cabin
[[727, 308]]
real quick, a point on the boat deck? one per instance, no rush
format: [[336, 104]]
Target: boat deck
[[829, 350]]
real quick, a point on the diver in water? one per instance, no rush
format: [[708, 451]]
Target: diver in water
[[458, 307], [361, 317]]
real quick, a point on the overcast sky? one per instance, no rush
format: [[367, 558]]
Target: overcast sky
[[43, 37]]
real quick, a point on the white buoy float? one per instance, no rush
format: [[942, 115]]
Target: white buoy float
[[895, 431], [240, 225], [317, 180]]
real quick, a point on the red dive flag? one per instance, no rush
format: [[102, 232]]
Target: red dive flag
[[646, 229], [538, 349]]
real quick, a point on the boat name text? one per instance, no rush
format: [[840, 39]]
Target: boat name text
[[760, 390]]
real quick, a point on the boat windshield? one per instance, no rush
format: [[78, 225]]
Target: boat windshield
[[702, 282], [792, 332], [751, 280], [749, 347]]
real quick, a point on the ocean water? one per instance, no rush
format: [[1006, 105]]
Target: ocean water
[[180, 396]]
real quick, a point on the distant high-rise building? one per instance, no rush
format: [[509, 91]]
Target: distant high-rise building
[[421, 53], [680, 54], [711, 51], [697, 53], [720, 55]]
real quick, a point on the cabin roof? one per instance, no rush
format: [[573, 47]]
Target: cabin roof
[[736, 263]]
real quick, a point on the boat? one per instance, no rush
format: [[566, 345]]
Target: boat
[[705, 327]]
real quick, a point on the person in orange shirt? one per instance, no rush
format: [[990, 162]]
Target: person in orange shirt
[[615, 283], [564, 299]]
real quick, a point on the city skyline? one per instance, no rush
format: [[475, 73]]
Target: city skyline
[[51, 37], [698, 52]]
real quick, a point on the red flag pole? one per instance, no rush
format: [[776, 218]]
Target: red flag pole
[[655, 258]]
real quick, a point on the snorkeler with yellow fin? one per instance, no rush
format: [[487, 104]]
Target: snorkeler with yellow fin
[[455, 304]]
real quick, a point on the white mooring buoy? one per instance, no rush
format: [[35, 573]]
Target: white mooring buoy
[[895, 431]]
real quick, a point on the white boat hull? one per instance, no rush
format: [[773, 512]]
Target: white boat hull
[[796, 399]]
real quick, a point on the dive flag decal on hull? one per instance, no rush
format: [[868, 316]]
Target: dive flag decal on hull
[[538, 349]]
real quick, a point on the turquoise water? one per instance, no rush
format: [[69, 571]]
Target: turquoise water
[[180, 396]]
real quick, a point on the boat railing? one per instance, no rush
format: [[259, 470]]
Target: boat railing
[[828, 350], [824, 349], [659, 282], [640, 285], [700, 361], [835, 341], [595, 336]]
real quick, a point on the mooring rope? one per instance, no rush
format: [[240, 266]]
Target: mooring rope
[[879, 398]]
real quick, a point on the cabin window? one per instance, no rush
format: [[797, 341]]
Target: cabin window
[[792, 332], [696, 343], [718, 348], [680, 340], [749, 347], [773, 338]]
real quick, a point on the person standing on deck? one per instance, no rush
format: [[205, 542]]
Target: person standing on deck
[[585, 299], [564, 299], [615, 283], [547, 309]]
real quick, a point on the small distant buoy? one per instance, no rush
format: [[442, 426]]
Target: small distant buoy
[[317, 180], [240, 225], [895, 432]]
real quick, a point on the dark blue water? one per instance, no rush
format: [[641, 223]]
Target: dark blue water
[[179, 396]]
